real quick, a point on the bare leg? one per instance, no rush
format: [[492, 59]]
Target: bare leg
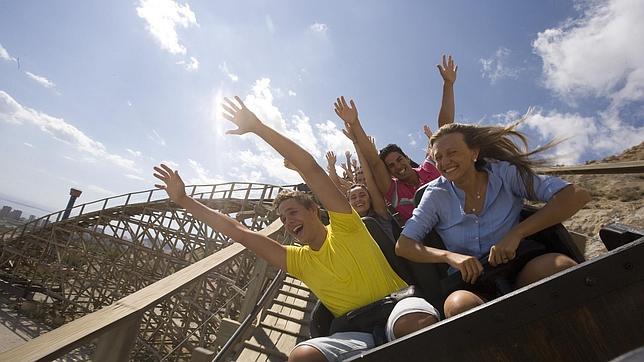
[[306, 354], [460, 301], [543, 266], [412, 322]]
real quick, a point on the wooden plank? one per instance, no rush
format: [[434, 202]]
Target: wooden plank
[[80, 331], [596, 168], [591, 312]]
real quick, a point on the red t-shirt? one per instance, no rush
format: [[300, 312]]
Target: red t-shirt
[[401, 194]]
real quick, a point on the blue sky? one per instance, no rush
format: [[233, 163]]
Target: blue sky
[[94, 93]]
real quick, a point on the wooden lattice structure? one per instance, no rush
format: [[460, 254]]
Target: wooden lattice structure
[[114, 247]]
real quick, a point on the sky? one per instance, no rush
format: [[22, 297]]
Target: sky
[[93, 94]]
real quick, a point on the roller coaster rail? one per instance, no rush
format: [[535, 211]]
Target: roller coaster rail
[[114, 323]]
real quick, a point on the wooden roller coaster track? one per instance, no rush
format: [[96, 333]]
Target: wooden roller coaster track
[[148, 282]]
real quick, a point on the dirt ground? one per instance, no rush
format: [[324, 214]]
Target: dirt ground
[[616, 199]]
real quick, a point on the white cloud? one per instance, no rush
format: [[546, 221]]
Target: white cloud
[[4, 54], [594, 56], [319, 28], [224, 69], [28, 144], [13, 112], [191, 65], [100, 190], [173, 165], [333, 139], [495, 67], [260, 162], [129, 103], [133, 152], [203, 175], [134, 177], [156, 138], [41, 80], [291, 93], [162, 18], [581, 135]]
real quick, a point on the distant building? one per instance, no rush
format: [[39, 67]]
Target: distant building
[[5, 211], [15, 214], [31, 218]]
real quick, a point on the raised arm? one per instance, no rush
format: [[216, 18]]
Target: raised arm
[[428, 132], [377, 199], [561, 206], [264, 247], [448, 71], [349, 114], [319, 182], [292, 167], [341, 184], [349, 169]]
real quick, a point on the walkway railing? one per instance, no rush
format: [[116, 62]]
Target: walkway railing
[[116, 326]]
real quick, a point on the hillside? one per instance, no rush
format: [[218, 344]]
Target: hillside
[[616, 198]]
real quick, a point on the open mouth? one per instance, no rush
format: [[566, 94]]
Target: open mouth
[[449, 170], [297, 230]]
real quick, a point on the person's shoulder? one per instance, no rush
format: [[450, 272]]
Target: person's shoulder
[[499, 167], [335, 217], [439, 183]]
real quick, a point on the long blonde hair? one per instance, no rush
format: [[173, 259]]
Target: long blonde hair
[[496, 142]]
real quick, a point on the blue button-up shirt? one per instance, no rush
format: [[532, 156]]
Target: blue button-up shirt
[[442, 208]]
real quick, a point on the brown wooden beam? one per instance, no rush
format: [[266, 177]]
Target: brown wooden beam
[[80, 331], [596, 168]]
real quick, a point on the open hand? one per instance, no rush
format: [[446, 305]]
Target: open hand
[[331, 159], [245, 120], [469, 266], [347, 113], [448, 69], [427, 131], [172, 182]]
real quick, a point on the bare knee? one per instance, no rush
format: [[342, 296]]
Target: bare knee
[[306, 353], [460, 301], [413, 322], [543, 266]]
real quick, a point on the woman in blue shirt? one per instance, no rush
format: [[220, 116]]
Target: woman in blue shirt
[[475, 206]]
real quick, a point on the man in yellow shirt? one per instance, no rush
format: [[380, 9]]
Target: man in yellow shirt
[[341, 263]]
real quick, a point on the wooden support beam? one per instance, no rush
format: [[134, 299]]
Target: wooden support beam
[[82, 330], [596, 168], [201, 354], [114, 345]]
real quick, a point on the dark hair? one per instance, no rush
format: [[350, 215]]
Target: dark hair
[[495, 142], [356, 185], [389, 149], [299, 196], [395, 148]]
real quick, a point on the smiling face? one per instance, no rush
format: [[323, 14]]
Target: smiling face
[[398, 166], [454, 159], [300, 221], [360, 200]]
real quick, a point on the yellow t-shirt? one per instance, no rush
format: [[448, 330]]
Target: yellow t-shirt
[[349, 271]]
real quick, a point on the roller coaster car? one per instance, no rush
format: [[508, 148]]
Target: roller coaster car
[[436, 284]]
